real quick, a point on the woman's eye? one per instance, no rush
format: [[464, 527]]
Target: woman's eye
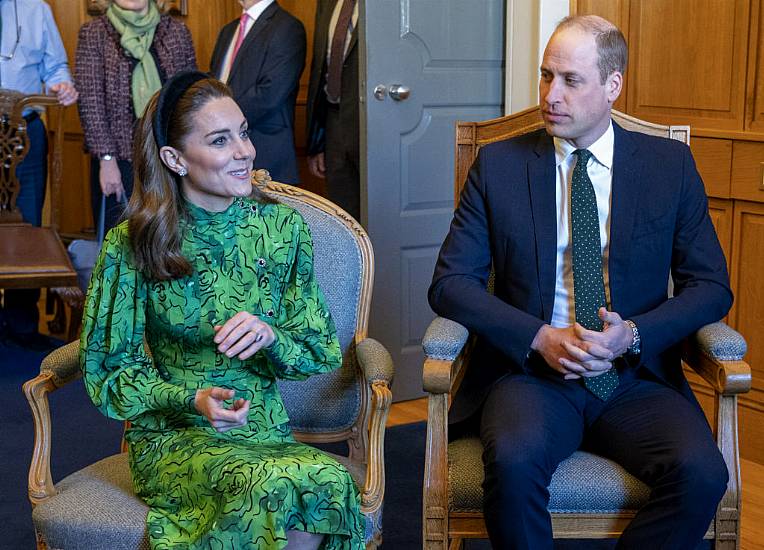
[[244, 134], [219, 141]]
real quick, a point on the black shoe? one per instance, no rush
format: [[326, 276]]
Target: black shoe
[[34, 341]]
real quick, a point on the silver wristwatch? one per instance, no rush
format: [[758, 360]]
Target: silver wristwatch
[[636, 342]]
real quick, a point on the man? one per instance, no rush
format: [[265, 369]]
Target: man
[[28, 60], [261, 57], [333, 124], [578, 347]]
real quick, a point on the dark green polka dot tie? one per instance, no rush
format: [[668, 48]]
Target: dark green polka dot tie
[[588, 284]]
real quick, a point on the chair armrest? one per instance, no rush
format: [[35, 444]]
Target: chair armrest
[[444, 346], [375, 361], [63, 364], [58, 368], [377, 366], [444, 339], [716, 353]]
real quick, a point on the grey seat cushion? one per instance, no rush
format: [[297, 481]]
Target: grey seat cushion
[[583, 483], [97, 509]]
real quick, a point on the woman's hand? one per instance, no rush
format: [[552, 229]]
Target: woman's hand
[[243, 335], [210, 403], [111, 179]]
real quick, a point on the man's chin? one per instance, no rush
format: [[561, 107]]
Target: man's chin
[[555, 129]]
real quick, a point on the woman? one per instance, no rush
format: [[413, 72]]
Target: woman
[[122, 58], [217, 279]]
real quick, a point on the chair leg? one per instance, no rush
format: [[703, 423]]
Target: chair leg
[[54, 304], [456, 544]]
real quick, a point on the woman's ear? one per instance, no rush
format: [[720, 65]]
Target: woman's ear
[[172, 158]]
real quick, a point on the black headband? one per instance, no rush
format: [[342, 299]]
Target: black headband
[[171, 92]]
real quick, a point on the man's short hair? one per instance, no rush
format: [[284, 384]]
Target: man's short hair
[[612, 52]]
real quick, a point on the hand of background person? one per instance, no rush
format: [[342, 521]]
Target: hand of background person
[[243, 335], [612, 342], [317, 165], [210, 403], [65, 92], [111, 179], [568, 354]]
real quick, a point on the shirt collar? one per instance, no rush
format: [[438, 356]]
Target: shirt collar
[[255, 11], [601, 150]]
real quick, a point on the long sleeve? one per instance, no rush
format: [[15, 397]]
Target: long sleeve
[[279, 75], [699, 271], [306, 339], [89, 76], [118, 372], [459, 286], [54, 67]]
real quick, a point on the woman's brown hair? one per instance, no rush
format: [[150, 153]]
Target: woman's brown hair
[[157, 207]]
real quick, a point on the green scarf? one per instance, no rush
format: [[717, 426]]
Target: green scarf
[[137, 34]]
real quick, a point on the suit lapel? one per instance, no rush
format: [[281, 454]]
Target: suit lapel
[[627, 169], [541, 184], [256, 29]]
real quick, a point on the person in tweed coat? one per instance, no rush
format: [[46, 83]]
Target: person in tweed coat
[[104, 76]]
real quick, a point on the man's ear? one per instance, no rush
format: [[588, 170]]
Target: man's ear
[[613, 86], [172, 158]]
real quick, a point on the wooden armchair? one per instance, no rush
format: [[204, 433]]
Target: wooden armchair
[[30, 257], [591, 497], [96, 508]]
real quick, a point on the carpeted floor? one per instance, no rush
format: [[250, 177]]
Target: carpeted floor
[[82, 435]]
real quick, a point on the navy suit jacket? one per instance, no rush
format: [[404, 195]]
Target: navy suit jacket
[[506, 219], [265, 78]]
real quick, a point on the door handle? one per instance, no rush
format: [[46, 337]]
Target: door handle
[[399, 92]]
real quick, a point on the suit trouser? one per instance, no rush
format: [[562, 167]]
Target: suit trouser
[[20, 306], [533, 421], [343, 175]]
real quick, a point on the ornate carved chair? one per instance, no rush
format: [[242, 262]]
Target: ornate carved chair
[[96, 508], [30, 257], [591, 497]]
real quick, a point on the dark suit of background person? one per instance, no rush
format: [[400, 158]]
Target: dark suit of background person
[[652, 424], [264, 78], [333, 128]]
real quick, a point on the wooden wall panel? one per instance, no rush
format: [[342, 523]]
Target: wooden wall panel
[[748, 170], [713, 158], [755, 116], [679, 78], [747, 315]]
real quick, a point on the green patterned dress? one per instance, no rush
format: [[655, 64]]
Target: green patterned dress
[[246, 487]]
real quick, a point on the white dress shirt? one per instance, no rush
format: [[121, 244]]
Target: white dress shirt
[[253, 12], [600, 169]]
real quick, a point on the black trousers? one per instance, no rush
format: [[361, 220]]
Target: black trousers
[[343, 175], [533, 421]]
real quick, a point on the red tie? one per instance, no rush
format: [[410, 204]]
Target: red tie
[[242, 33], [337, 57]]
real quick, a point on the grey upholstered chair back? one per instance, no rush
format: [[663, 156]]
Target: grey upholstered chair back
[[330, 402]]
